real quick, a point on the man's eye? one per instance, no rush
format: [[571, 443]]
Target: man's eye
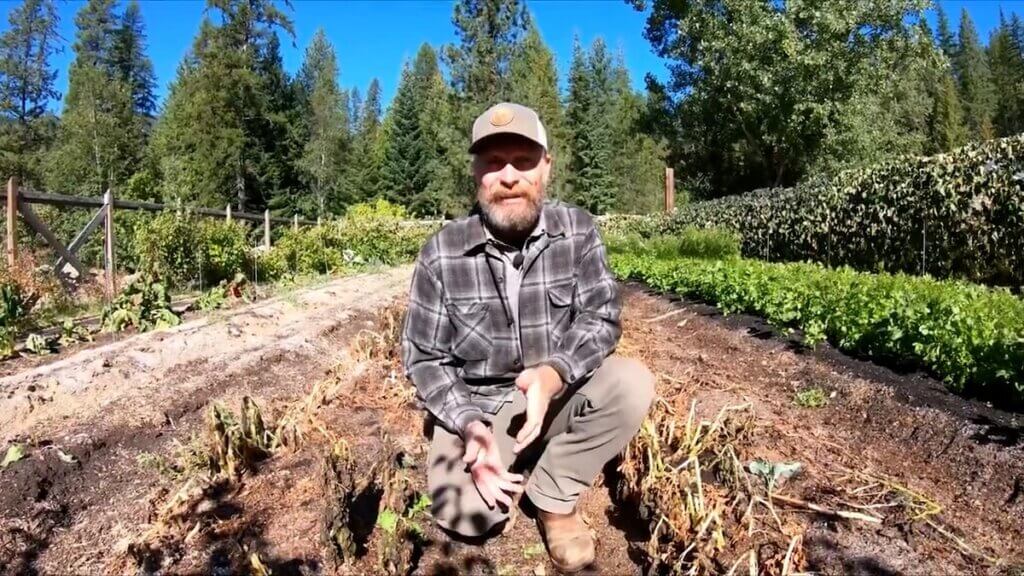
[[525, 163]]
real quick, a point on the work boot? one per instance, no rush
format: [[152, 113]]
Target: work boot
[[570, 543]]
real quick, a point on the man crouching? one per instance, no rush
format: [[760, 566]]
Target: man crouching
[[513, 317]]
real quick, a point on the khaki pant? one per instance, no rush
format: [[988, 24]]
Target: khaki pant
[[583, 431]]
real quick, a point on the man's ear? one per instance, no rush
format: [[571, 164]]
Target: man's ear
[[546, 166]]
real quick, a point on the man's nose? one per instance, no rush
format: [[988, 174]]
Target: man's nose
[[509, 175]]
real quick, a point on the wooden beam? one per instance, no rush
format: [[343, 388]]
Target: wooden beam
[[266, 229], [670, 190], [88, 202], [109, 264], [12, 222], [82, 236], [36, 224]]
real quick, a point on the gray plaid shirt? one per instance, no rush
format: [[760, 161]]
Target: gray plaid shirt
[[459, 342]]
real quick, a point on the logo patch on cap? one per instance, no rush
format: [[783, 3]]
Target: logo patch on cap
[[502, 116]]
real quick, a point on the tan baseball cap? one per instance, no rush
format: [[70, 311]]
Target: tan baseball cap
[[508, 118]]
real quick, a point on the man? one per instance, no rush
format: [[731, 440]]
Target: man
[[513, 317]]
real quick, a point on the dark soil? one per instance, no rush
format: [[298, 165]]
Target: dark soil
[[57, 517]]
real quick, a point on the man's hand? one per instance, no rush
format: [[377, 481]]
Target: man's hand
[[539, 385], [493, 482]]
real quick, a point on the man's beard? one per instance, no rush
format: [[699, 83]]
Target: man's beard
[[514, 220]]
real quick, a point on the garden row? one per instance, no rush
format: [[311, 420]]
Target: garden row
[[970, 336], [955, 215]]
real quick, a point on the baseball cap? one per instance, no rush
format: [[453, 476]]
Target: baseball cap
[[508, 118]]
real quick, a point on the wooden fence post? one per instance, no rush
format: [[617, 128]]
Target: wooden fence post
[[295, 222], [317, 221], [108, 242], [266, 229], [670, 190], [12, 222], [227, 213]]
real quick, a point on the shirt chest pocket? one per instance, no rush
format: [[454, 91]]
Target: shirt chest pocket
[[471, 338], [560, 305]]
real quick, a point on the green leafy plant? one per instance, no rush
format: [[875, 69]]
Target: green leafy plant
[[772, 472], [15, 452], [143, 304], [71, 333], [40, 345], [811, 398], [969, 335]]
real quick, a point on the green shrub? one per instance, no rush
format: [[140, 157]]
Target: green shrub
[[955, 215], [303, 251], [186, 250], [380, 233], [969, 335], [223, 250]]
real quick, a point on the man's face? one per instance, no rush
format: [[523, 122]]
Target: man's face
[[511, 174]]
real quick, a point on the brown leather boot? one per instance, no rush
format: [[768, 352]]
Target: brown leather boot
[[570, 543]]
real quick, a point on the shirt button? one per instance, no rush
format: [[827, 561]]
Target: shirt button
[[501, 279], [516, 361]]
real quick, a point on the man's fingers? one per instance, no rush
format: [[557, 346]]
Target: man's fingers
[[484, 488], [510, 487], [513, 478], [472, 451], [527, 435], [503, 498]]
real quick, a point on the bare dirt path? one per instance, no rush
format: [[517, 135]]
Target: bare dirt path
[[104, 406], [147, 394]]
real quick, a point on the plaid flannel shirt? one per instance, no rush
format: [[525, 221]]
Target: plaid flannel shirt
[[459, 342]]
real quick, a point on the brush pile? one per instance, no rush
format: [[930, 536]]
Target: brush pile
[[685, 478]]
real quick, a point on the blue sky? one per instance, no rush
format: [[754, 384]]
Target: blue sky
[[374, 38]]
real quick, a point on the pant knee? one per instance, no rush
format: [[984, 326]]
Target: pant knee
[[634, 390]]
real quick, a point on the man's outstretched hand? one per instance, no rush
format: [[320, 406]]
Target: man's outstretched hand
[[493, 481], [539, 385]]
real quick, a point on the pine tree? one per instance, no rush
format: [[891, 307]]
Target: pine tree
[[944, 34], [27, 88], [128, 55], [101, 138], [489, 32], [355, 108], [947, 126], [1006, 63], [404, 174], [327, 117], [217, 140], [638, 161], [534, 83], [577, 110], [367, 148], [975, 79]]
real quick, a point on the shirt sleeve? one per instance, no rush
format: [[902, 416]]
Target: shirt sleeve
[[596, 329], [426, 336]]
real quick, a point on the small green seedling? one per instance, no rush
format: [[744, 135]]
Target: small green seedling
[[811, 398], [15, 452], [772, 472]]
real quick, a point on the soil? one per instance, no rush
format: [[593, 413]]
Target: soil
[[149, 393]]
